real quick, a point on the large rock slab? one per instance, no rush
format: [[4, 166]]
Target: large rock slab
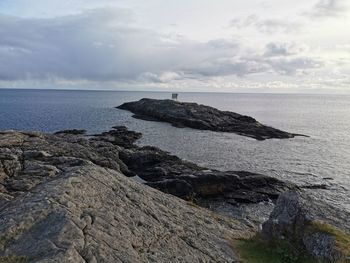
[[193, 115], [90, 214], [64, 199]]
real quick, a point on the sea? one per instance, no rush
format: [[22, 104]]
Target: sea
[[323, 158]]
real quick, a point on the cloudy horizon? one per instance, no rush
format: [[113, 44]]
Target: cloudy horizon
[[259, 46]]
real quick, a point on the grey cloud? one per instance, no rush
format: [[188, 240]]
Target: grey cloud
[[102, 45], [223, 44], [273, 49], [328, 8], [163, 77], [269, 26], [240, 67], [293, 65], [283, 49], [99, 45]]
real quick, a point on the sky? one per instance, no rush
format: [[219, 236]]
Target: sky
[[179, 45]]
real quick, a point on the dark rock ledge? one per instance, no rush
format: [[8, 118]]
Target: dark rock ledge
[[187, 180], [193, 115]]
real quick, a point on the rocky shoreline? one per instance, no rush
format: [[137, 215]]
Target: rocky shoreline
[[66, 197], [196, 116]]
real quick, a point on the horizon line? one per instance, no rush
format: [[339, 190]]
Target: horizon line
[[175, 91]]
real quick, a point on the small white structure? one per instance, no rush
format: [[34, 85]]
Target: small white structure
[[174, 96]]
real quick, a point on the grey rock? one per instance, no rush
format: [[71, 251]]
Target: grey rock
[[121, 136], [304, 222], [322, 246], [65, 198], [35, 154], [189, 181], [73, 131], [193, 115], [87, 212], [32, 158]]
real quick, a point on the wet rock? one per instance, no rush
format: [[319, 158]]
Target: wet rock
[[121, 136], [193, 115], [170, 174], [315, 186], [73, 132]]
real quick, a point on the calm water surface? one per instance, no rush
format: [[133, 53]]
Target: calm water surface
[[324, 158]]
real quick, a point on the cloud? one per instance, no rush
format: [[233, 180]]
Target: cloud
[[103, 45], [294, 65], [163, 77], [328, 8], [99, 45], [269, 26], [283, 49], [231, 66], [343, 47]]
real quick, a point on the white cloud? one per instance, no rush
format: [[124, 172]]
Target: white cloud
[[265, 26]]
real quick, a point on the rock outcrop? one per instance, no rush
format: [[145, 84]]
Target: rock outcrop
[[193, 115], [66, 197], [63, 198], [187, 180], [318, 228]]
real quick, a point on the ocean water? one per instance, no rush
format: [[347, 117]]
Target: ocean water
[[322, 158]]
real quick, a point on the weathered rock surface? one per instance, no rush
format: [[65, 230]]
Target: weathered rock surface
[[64, 199], [317, 227], [193, 115]]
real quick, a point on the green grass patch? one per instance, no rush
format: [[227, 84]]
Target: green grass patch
[[342, 240], [256, 250]]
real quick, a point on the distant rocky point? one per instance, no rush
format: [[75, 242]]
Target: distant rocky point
[[196, 116]]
